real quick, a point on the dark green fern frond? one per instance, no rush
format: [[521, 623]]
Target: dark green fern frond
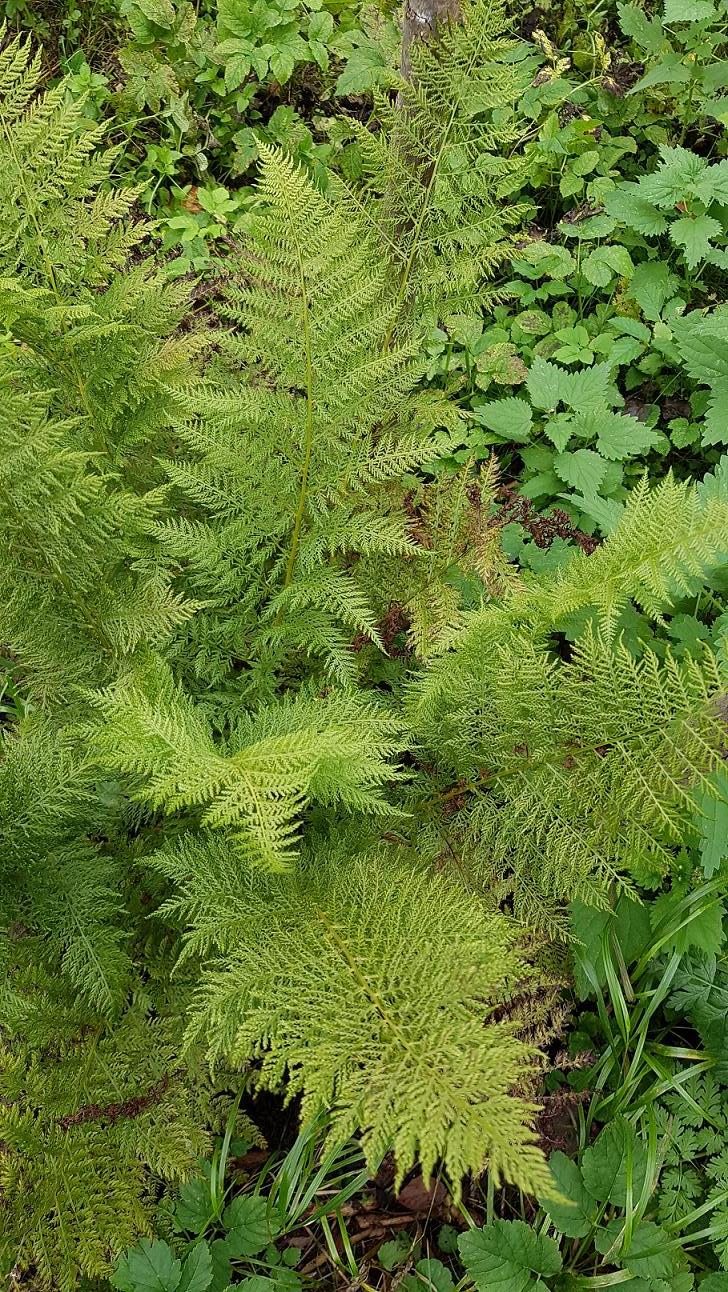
[[86, 1123]]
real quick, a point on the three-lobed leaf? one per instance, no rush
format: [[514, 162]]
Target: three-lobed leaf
[[508, 1255]]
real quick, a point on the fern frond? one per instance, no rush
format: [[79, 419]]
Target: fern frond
[[332, 752], [369, 983]]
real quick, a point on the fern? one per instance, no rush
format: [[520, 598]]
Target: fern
[[215, 592], [572, 772], [343, 978], [437, 171]]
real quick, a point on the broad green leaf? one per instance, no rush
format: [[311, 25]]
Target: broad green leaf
[[194, 1208], [366, 69], [197, 1270], [603, 262], [713, 824], [589, 389], [652, 285], [688, 10], [627, 204], [646, 32], [694, 234], [583, 470], [148, 1267], [393, 1252], [712, 185], [508, 1255], [648, 1255], [704, 931], [246, 1222], [607, 512], [575, 1217], [604, 1163], [717, 1282], [431, 1276], [161, 12], [669, 71], [510, 418], [715, 425], [320, 26], [552, 261], [620, 436], [237, 58], [546, 383], [703, 344], [677, 173], [289, 49]]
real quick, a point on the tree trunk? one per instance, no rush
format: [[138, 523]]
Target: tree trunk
[[420, 20]]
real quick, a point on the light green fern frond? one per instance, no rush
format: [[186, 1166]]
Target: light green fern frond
[[667, 540], [56, 223], [572, 773], [333, 752], [369, 984], [440, 163]]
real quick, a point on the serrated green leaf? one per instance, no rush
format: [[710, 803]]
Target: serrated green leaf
[[646, 32], [648, 1254], [366, 69], [651, 286], [431, 1276], [627, 204], [712, 185], [148, 1267], [713, 824], [510, 418], [392, 1253], [604, 1163], [688, 10], [620, 436], [160, 12], [546, 383], [607, 512], [197, 1270], [583, 470], [702, 342], [246, 1222], [574, 1218], [693, 234], [508, 1255], [603, 262], [715, 424], [703, 932], [669, 71]]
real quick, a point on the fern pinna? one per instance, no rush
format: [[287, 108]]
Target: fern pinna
[[211, 834]]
